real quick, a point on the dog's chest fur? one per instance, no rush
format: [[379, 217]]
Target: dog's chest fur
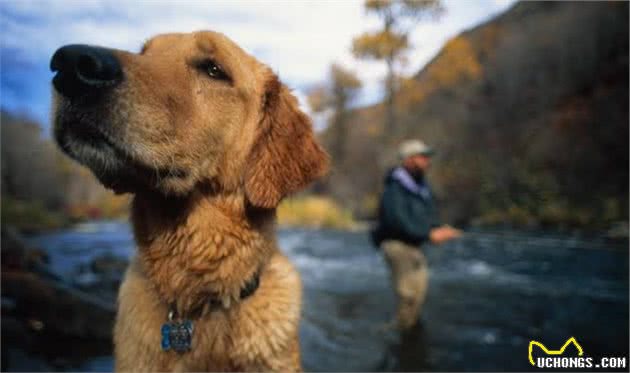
[[188, 255], [259, 333], [201, 248]]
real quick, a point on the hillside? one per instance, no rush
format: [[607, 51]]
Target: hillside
[[41, 187], [529, 113]]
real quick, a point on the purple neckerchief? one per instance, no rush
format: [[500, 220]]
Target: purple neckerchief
[[409, 183]]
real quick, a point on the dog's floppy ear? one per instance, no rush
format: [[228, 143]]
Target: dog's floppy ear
[[285, 156]]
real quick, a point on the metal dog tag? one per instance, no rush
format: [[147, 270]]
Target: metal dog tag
[[177, 335]]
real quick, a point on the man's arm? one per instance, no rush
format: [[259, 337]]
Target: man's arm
[[444, 233]]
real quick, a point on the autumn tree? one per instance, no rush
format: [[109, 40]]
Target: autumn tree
[[391, 41], [337, 95]]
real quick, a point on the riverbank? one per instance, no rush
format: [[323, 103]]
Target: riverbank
[[311, 211], [33, 216], [47, 322]]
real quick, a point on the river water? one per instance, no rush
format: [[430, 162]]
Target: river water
[[490, 293]]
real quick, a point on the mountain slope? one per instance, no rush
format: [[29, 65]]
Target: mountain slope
[[529, 113]]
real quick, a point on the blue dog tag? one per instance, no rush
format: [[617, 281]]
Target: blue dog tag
[[177, 335]]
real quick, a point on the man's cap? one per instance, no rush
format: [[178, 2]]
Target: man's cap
[[414, 147]]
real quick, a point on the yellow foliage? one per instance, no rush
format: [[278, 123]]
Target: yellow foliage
[[373, 130], [377, 4], [314, 211], [369, 203], [108, 206], [379, 45], [458, 62], [412, 92], [317, 99], [114, 205], [344, 78], [395, 9]]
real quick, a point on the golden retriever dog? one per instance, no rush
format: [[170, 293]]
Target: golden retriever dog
[[208, 141]]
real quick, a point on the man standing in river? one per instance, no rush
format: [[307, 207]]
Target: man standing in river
[[408, 218]]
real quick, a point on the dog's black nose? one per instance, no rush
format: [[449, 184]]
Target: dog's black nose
[[84, 70]]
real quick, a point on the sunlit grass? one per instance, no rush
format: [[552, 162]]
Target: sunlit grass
[[314, 211]]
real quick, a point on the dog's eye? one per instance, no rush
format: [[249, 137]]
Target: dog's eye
[[214, 71]]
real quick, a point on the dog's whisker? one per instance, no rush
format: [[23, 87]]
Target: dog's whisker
[[227, 300]]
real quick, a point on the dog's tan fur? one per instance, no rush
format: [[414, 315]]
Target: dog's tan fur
[[220, 156]]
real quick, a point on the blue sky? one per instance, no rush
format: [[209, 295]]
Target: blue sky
[[298, 39]]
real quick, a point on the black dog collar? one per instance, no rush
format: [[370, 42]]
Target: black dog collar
[[177, 333]]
